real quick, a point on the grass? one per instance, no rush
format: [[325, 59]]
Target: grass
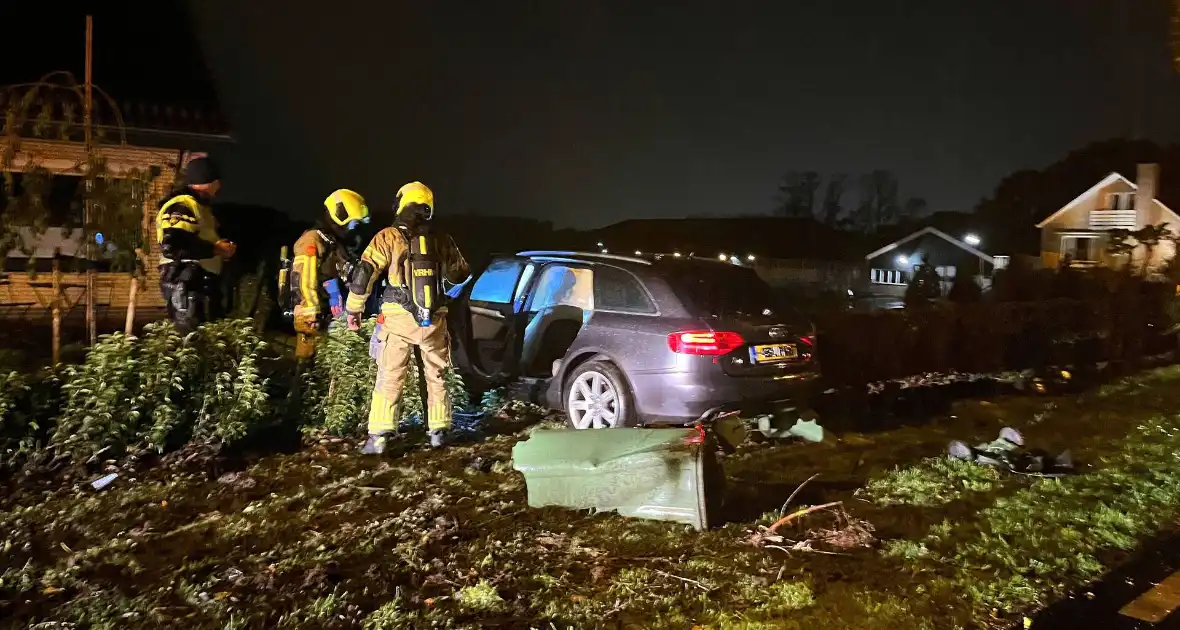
[[323, 538], [935, 481]]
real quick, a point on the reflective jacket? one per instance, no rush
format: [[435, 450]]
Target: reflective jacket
[[386, 256], [186, 231], [316, 260]]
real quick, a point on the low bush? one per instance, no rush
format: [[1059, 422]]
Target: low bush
[[212, 387], [162, 390], [337, 388]]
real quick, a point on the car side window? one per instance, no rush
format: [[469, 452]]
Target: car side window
[[617, 290], [562, 285], [497, 283]]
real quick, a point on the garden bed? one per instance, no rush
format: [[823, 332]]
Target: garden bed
[[323, 538]]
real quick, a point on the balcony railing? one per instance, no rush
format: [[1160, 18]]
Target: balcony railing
[[1112, 219]]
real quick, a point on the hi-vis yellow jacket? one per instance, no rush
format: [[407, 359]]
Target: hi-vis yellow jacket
[[187, 230], [386, 256], [315, 261]]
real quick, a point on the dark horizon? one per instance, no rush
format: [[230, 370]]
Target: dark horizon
[[588, 114]]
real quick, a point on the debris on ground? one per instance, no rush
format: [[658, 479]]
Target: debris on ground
[[1008, 453], [844, 532], [659, 474], [102, 482]]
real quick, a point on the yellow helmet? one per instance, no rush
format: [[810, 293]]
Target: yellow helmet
[[416, 193], [345, 206]]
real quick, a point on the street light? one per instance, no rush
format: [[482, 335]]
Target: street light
[[600, 244], [676, 254], [902, 260], [638, 253], [971, 240], [722, 257], [750, 257]]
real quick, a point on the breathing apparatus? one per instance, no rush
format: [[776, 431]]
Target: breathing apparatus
[[421, 293]]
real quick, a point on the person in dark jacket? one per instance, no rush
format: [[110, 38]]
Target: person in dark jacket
[[191, 252]]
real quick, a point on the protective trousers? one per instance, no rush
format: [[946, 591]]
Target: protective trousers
[[395, 341], [183, 286]]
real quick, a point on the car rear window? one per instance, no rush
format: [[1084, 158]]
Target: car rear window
[[719, 289]]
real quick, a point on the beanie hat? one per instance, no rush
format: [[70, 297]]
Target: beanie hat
[[200, 171]]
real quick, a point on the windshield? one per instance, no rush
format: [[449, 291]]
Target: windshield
[[720, 290]]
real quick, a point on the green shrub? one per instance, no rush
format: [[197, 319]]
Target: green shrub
[[233, 395], [163, 390], [28, 406], [338, 387]]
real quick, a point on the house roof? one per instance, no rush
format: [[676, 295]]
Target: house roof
[[1094, 190], [936, 232]]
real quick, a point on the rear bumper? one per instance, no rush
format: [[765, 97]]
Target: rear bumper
[[687, 397]]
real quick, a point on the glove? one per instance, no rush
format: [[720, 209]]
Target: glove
[[335, 299], [224, 248], [354, 322]]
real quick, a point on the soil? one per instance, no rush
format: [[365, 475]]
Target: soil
[[326, 538]]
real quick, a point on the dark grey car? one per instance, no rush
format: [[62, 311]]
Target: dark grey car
[[620, 341]]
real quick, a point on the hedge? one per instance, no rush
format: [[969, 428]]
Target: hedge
[[1121, 319]]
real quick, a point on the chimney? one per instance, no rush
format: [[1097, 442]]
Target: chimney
[[1147, 179]]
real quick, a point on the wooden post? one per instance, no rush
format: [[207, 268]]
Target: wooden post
[[55, 304], [88, 237], [129, 326]]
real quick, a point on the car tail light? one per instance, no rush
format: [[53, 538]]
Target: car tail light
[[705, 342], [696, 438], [808, 341]]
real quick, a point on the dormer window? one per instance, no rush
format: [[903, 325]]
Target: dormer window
[[1122, 201]]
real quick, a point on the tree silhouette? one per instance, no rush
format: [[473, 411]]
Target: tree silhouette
[[833, 207], [1150, 236], [878, 203], [797, 194]]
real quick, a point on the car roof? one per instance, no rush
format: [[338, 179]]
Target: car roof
[[586, 257], [648, 261]]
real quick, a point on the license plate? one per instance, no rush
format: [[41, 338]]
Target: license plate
[[773, 353]]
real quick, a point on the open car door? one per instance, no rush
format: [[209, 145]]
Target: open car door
[[486, 322]]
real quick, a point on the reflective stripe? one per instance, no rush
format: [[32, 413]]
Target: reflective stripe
[[169, 222], [383, 414], [380, 261], [355, 303], [184, 212], [438, 415], [308, 290]]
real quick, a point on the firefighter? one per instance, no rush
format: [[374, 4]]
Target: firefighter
[[191, 252], [324, 258], [416, 259]]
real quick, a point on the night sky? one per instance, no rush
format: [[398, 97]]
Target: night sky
[[589, 112]]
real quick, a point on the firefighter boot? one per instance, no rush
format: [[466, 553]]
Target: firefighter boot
[[376, 444], [439, 438]]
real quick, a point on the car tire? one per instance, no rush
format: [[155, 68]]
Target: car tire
[[610, 404]]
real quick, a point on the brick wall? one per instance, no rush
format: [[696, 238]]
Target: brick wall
[[70, 158]]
